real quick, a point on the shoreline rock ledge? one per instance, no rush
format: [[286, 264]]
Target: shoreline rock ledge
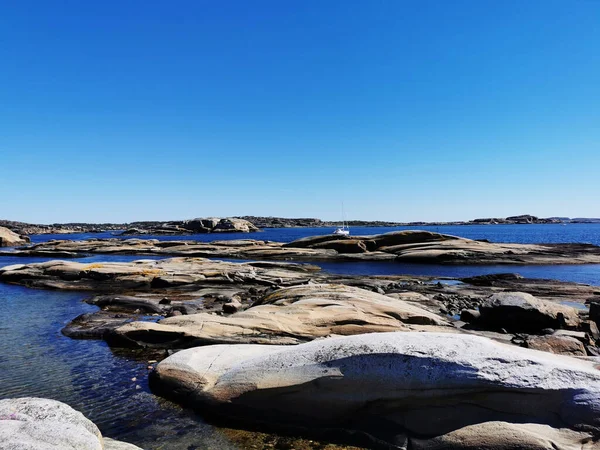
[[404, 389], [37, 423]]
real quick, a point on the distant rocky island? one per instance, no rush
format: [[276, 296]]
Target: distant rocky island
[[248, 224]]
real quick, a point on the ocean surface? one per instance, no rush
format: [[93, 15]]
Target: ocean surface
[[111, 388]]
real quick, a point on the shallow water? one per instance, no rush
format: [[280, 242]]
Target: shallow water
[[37, 360]]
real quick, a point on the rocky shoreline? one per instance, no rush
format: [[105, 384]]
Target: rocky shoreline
[[255, 223], [412, 246], [489, 362]]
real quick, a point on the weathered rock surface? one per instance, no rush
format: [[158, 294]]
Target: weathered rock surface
[[194, 226], [508, 436], [11, 239], [429, 247], [560, 345], [522, 312], [398, 385], [227, 302], [147, 274], [287, 316], [405, 246], [42, 424]]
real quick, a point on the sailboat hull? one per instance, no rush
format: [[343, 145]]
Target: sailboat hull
[[342, 232]]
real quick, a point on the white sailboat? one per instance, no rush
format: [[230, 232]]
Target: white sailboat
[[343, 230]]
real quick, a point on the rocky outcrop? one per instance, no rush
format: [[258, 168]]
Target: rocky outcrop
[[287, 316], [148, 274], [194, 226], [42, 424], [11, 239], [401, 387], [435, 248]]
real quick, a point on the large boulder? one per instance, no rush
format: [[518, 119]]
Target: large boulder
[[522, 312], [396, 385], [287, 316], [10, 239], [201, 225], [234, 225], [42, 424]]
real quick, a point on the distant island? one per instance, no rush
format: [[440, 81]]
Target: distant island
[[247, 224]]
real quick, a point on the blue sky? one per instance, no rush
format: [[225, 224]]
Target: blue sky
[[405, 110]]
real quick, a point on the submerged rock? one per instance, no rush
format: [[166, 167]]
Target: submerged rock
[[41, 424], [398, 386]]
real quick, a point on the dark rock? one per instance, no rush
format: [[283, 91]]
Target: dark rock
[[591, 328], [491, 280], [95, 325], [521, 312], [470, 315], [233, 306], [595, 312]]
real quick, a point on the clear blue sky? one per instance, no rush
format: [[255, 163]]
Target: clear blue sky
[[406, 110]]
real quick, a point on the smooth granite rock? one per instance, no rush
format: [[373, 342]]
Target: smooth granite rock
[[508, 436], [287, 316], [411, 385], [41, 424]]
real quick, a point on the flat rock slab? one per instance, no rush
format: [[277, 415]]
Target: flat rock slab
[[287, 316], [41, 424], [400, 385], [147, 274]]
